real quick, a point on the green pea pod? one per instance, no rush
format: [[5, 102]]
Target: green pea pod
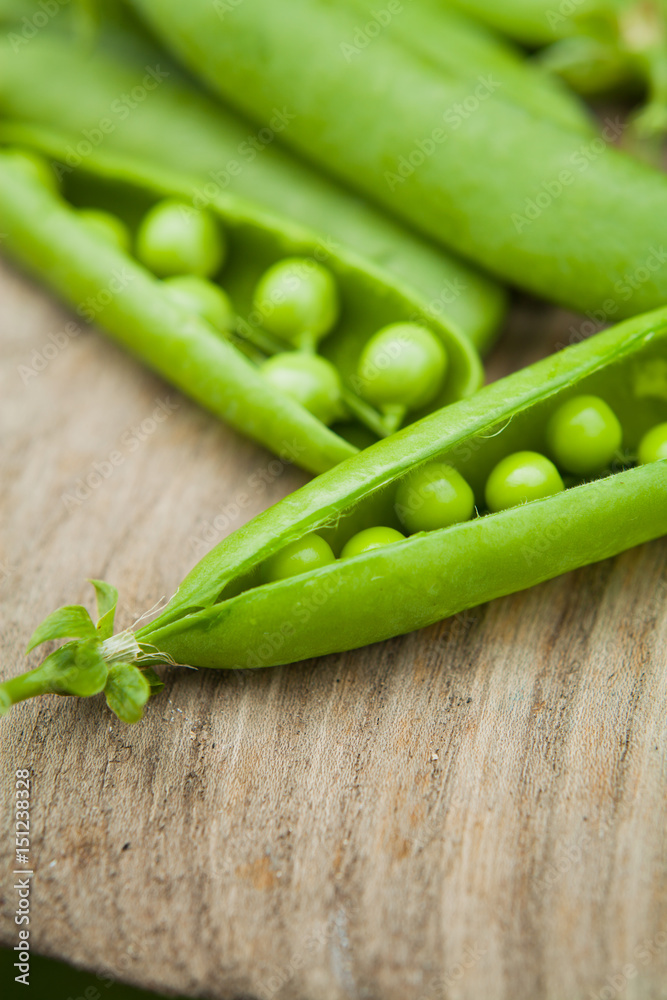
[[569, 219], [462, 48], [596, 46], [105, 284], [219, 617], [538, 22], [122, 95], [229, 612]]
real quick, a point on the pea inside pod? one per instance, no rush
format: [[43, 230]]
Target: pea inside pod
[[222, 256], [57, 90], [329, 567], [433, 481], [461, 158]]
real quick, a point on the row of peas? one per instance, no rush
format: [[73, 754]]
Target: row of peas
[[583, 435], [401, 368]]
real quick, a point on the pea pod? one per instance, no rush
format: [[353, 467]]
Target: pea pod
[[538, 22], [49, 236], [458, 46], [531, 201], [275, 592], [597, 46], [123, 95]]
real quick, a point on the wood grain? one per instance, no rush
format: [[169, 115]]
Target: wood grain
[[473, 812]]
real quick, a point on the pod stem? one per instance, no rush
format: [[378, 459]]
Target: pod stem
[[392, 417], [365, 413], [267, 344], [29, 685], [94, 660]]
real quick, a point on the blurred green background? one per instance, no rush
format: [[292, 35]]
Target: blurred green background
[[50, 980]]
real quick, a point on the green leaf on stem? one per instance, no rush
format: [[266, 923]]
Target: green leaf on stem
[[89, 672], [107, 601], [127, 691], [154, 682], [69, 622]]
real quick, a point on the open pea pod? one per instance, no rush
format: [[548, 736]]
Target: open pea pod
[[252, 601], [52, 236], [221, 617], [111, 86]]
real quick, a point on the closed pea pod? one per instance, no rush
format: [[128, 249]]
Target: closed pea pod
[[595, 45], [222, 610], [459, 46], [537, 203]]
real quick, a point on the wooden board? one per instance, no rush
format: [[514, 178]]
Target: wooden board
[[473, 812]]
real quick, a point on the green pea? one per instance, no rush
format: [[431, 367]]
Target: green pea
[[403, 364], [433, 496], [297, 300], [108, 226], [300, 556], [37, 167], [175, 238], [521, 477], [369, 539], [310, 379], [203, 297], [653, 446], [583, 435]]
